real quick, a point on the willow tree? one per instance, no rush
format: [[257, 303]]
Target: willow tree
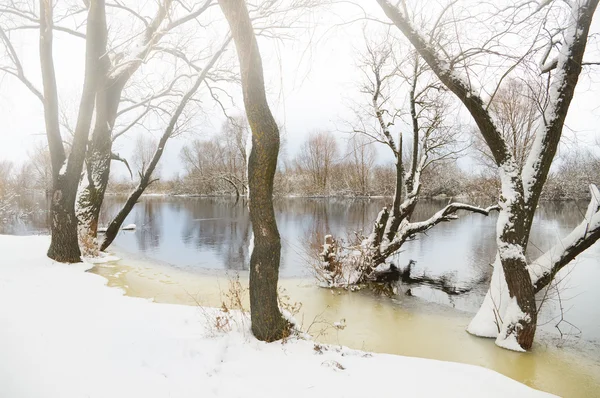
[[509, 311], [268, 324]]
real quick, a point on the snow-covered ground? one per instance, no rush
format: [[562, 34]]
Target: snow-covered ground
[[63, 333]]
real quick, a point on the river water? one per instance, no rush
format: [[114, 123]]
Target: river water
[[184, 249]]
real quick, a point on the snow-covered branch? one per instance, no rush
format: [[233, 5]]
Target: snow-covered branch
[[545, 268], [458, 84], [448, 213], [568, 67], [408, 230]]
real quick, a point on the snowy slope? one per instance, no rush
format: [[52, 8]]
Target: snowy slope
[[63, 333]]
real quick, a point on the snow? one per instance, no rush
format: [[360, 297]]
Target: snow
[[65, 334], [488, 319], [63, 169], [543, 264], [129, 227], [559, 83], [511, 317]]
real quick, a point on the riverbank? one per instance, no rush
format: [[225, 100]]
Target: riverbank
[[403, 326], [65, 334]]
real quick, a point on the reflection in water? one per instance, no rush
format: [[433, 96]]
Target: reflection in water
[[196, 234]]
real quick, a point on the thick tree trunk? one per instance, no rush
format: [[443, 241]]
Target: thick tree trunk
[[99, 156], [66, 173], [267, 322], [64, 245], [520, 317]]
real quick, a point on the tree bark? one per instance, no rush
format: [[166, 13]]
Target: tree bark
[[268, 323], [520, 190], [99, 154], [64, 246]]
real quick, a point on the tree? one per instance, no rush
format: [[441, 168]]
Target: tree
[[219, 163], [316, 157], [147, 161], [433, 140], [144, 147], [268, 323], [512, 320], [361, 159], [66, 170], [516, 111], [39, 159], [111, 93]]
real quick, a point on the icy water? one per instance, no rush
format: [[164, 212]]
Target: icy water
[[211, 234], [404, 326], [183, 247], [199, 234]]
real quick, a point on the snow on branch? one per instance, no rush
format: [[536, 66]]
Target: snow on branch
[[448, 213], [562, 89], [451, 79], [545, 268], [408, 230]]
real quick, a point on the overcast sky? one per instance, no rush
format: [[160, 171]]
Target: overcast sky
[[311, 81]]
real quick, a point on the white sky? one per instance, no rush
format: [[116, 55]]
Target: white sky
[[310, 87]]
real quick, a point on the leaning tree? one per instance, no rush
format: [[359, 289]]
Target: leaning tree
[[401, 97], [113, 101], [509, 311]]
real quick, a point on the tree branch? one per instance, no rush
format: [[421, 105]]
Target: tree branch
[[544, 268]]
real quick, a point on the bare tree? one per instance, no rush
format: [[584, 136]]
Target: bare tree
[[125, 62], [219, 163], [316, 157], [66, 169], [41, 164], [433, 140], [112, 58], [361, 159], [147, 162], [144, 146], [509, 311], [516, 111]]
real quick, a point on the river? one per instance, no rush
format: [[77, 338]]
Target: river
[[185, 249]]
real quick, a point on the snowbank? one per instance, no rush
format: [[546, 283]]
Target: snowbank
[[64, 334]]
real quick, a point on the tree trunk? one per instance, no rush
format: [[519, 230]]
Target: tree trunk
[[64, 246], [513, 300], [395, 218], [117, 222], [267, 322], [99, 156]]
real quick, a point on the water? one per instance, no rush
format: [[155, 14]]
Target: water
[[182, 246], [404, 326], [200, 234]]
